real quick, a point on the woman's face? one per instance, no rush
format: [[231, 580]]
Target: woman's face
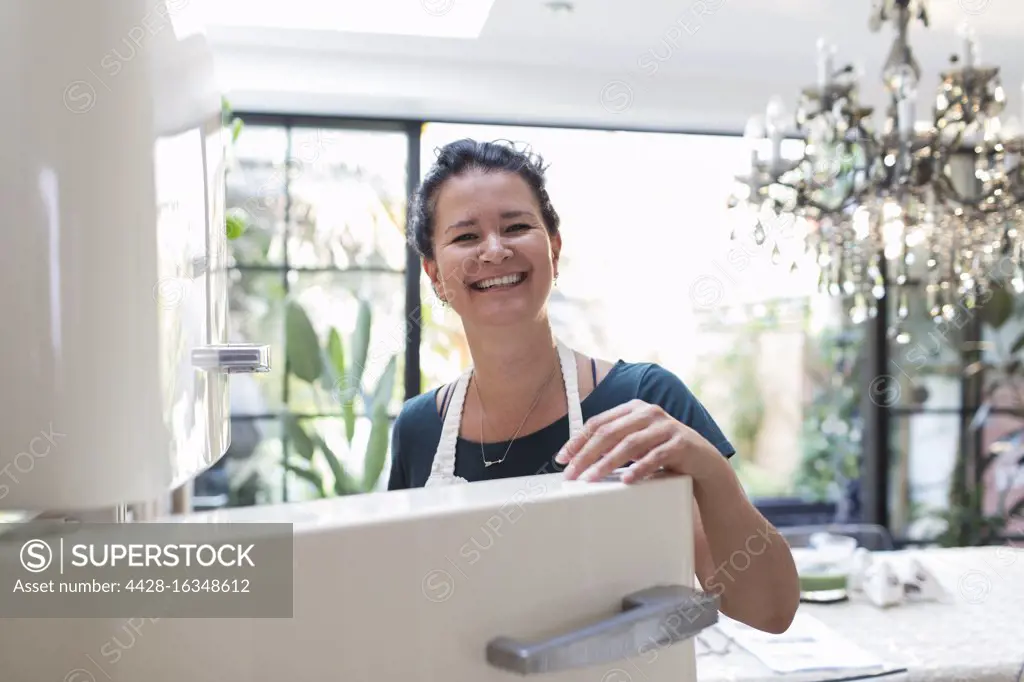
[[494, 260]]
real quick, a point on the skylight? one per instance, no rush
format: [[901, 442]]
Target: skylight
[[430, 18]]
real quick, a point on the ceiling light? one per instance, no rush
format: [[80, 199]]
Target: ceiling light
[[560, 6], [430, 18]]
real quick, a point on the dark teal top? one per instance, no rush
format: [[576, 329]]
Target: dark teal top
[[417, 429]]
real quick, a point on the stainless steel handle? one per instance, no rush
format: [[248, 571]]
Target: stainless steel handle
[[232, 358], [650, 619]]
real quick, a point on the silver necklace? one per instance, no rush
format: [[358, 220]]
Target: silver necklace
[[536, 400]]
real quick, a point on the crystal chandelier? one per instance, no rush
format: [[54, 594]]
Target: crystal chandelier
[[937, 205]]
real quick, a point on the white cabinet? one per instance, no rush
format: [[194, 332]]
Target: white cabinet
[[443, 584]]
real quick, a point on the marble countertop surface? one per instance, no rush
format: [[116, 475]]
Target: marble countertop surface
[[975, 633]]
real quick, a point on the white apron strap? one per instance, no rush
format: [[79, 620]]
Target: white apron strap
[[442, 471], [572, 388]]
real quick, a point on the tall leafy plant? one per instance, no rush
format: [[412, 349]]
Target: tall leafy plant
[[328, 366]]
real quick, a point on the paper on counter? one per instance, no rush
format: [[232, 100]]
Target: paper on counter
[[809, 644]]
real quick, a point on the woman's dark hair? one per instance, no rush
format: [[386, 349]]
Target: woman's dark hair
[[462, 156]]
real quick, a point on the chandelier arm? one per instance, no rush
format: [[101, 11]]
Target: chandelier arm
[[852, 197], [804, 201], [872, 151], [942, 158], [804, 191], [947, 191], [991, 209]]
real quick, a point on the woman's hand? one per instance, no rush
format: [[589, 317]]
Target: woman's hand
[[641, 433], [765, 592]]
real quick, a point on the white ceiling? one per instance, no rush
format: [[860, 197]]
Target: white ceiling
[[694, 64]]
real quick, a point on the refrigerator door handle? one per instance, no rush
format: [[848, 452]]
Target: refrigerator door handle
[[650, 619], [240, 358]]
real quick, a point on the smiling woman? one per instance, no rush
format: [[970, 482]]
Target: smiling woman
[[490, 243]]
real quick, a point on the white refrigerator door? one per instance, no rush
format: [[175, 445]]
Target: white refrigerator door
[[430, 584]]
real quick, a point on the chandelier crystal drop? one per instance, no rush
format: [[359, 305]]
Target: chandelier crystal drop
[[936, 205]]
